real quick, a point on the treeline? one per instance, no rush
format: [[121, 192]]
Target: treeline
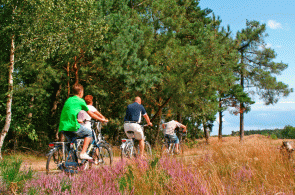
[[174, 55], [288, 132]]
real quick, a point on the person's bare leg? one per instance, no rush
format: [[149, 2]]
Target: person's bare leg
[[86, 144], [141, 147], [176, 148]]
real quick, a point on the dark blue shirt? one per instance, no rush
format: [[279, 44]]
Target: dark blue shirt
[[134, 112]]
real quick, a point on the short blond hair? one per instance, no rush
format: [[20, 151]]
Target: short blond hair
[[77, 88]]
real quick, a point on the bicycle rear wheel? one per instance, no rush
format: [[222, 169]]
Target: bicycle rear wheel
[[147, 149], [165, 149], [54, 160], [128, 151]]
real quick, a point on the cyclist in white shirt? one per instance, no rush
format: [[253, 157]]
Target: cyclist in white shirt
[[84, 118], [169, 132]]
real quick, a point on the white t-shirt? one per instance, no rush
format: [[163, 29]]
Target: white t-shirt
[[83, 115], [170, 127]]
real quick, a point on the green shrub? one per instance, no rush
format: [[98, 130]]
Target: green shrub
[[11, 173], [273, 136]]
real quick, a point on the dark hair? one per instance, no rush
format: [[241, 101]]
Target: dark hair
[[77, 88], [88, 99]]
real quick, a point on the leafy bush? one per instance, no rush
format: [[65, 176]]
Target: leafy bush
[[273, 136]]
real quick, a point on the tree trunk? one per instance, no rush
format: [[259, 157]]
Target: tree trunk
[[76, 70], [206, 132], [160, 109], [54, 108], [241, 122], [179, 117], [220, 122], [242, 104], [9, 96], [159, 125], [68, 75]]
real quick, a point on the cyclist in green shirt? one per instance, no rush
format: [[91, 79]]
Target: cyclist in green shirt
[[68, 119]]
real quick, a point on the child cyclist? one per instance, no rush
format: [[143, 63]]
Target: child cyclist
[[84, 118], [68, 119]]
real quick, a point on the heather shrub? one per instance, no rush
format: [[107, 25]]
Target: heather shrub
[[255, 166], [103, 180]]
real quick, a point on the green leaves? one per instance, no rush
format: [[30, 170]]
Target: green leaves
[[257, 65]]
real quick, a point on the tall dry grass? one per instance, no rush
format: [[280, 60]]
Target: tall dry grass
[[227, 167]]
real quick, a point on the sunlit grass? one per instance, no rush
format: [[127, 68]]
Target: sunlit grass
[[255, 166]]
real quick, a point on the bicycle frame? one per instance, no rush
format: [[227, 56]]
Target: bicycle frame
[[171, 144]]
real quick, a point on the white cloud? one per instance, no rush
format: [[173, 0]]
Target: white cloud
[[268, 45], [274, 25]]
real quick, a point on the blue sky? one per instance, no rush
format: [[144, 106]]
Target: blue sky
[[279, 16]]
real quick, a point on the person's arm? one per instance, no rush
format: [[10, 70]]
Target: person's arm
[[99, 114], [147, 119], [94, 116], [184, 127]]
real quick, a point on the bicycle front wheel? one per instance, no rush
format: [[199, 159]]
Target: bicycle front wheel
[[147, 149], [102, 155]]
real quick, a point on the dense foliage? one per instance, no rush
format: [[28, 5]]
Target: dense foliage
[[172, 53]]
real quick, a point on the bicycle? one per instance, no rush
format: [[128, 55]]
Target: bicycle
[[128, 149], [64, 156], [96, 126], [168, 146]]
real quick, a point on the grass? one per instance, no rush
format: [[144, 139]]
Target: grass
[[227, 167], [12, 177]]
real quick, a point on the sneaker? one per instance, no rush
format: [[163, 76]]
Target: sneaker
[[85, 156]]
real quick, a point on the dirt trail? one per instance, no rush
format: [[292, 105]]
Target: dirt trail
[[40, 163], [199, 151]]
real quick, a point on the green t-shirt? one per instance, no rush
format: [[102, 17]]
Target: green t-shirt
[[69, 113]]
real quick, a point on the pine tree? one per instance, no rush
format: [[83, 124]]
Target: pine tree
[[257, 69]]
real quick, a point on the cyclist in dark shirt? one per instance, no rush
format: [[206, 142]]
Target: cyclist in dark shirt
[[134, 113]]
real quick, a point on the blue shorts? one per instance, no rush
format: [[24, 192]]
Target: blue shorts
[[173, 138], [83, 132]]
